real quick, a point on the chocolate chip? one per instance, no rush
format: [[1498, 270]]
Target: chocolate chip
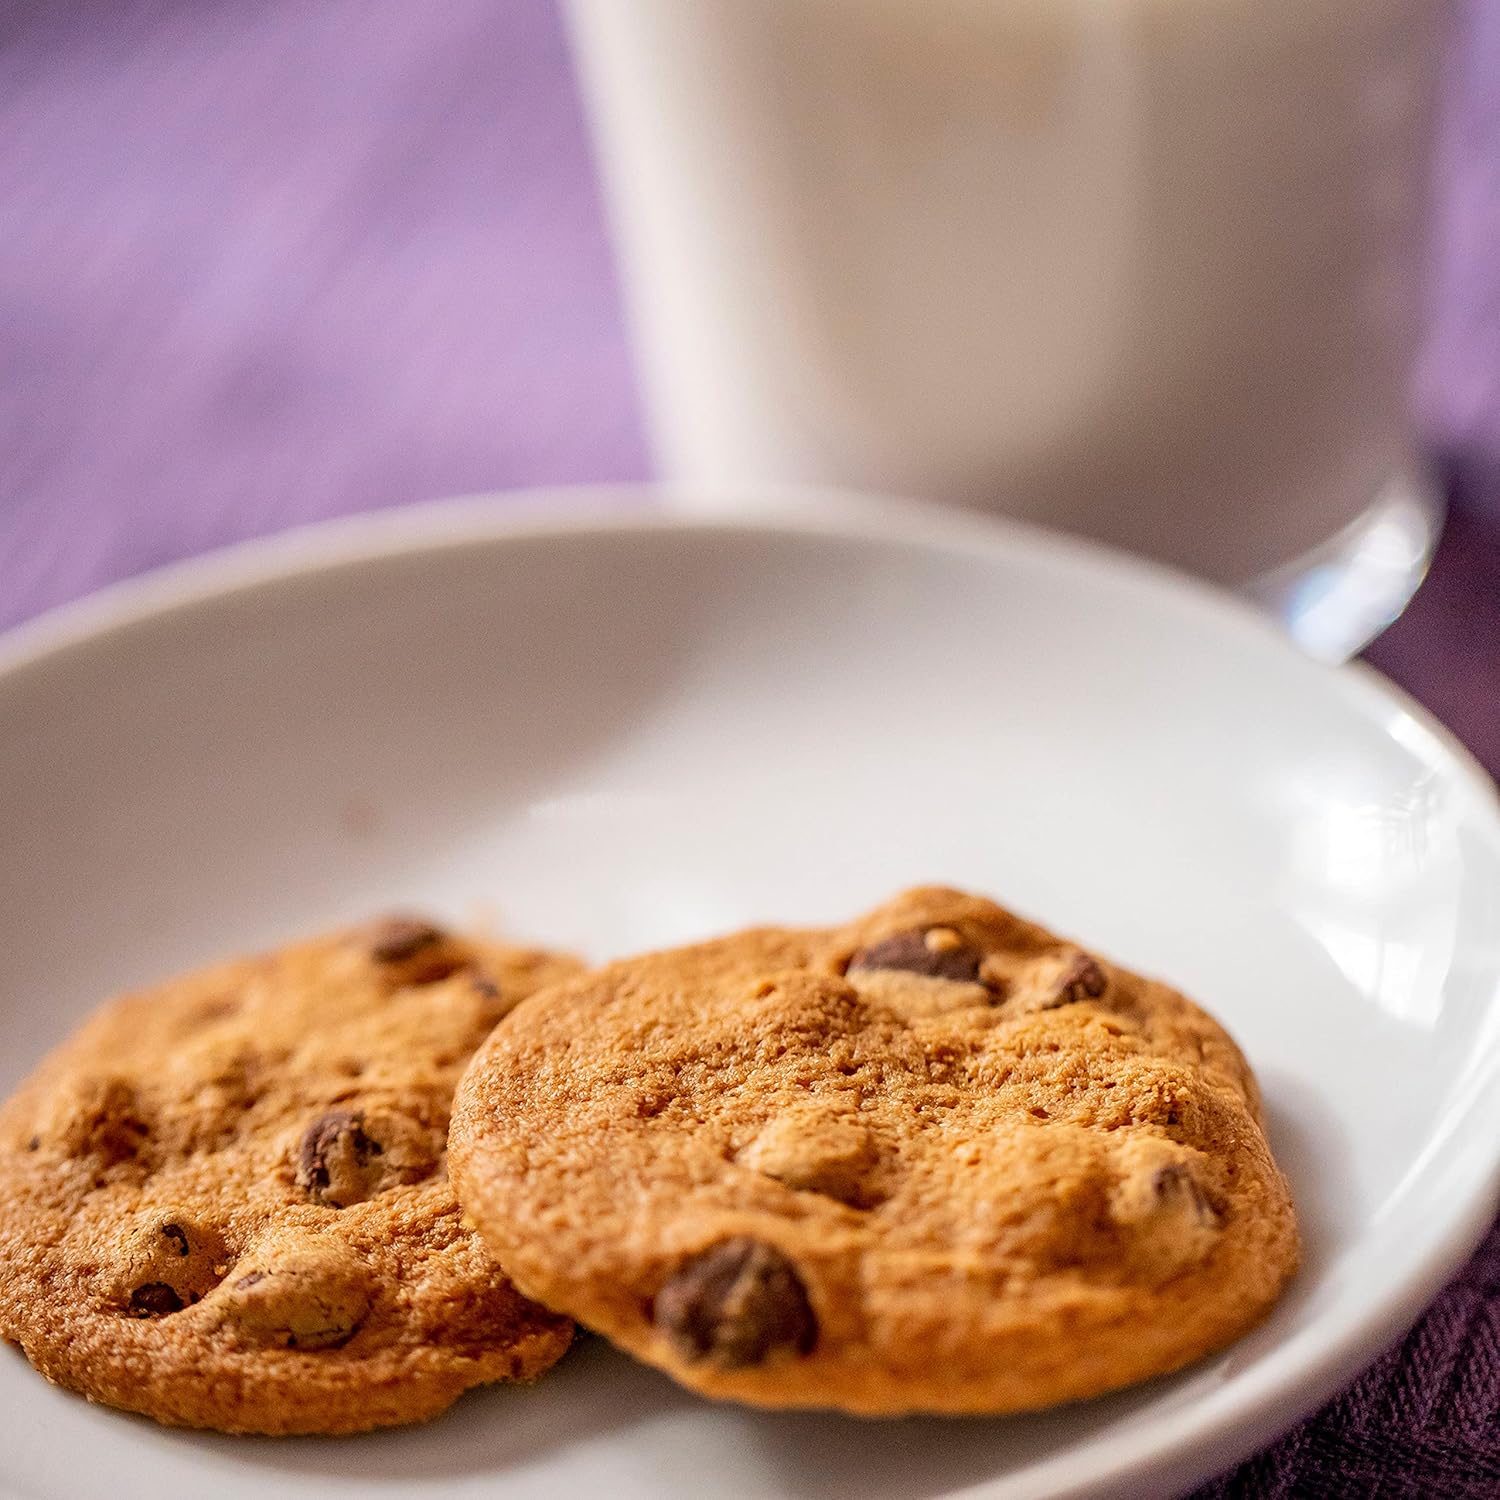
[[34, 1144], [1083, 979], [917, 953], [1175, 1187], [334, 1157], [305, 1292], [736, 1304], [1168, 1219], [812, 1150], [393, 940], [165, 1253], [154, 1300], [414, 951], [491, 998]]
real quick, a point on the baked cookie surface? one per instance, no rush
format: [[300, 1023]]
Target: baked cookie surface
[[936, 1160], [224, 1201]]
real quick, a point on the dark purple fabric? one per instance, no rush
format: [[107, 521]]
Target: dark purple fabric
[[265, 261], [1459, 384]]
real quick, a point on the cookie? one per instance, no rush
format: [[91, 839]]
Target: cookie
[[938, 1160], [224, 1202]]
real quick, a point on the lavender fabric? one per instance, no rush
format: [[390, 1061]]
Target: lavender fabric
[[263, 263]]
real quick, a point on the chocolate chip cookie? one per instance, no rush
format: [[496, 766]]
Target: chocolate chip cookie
[[224, 1202], [937, 1160]]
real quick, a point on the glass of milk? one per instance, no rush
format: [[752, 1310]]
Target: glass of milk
[[1148, 270]]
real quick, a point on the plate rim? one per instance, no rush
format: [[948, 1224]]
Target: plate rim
[[1265, 1402], [645, 506]]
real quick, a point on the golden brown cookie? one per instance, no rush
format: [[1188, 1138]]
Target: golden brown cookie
[[937, 1160], [224, 1202]]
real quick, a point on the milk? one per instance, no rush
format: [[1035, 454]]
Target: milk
[[1144, 269]]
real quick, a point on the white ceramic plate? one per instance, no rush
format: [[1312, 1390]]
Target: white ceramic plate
[[629, 733]]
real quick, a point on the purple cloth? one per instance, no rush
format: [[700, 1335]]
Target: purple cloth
[[1459, 382], [265, 263]]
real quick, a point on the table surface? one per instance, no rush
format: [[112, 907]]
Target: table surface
[[270, 263]]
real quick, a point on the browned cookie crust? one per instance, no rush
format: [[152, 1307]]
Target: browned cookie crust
[[937, 1160], [224, 1202]]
